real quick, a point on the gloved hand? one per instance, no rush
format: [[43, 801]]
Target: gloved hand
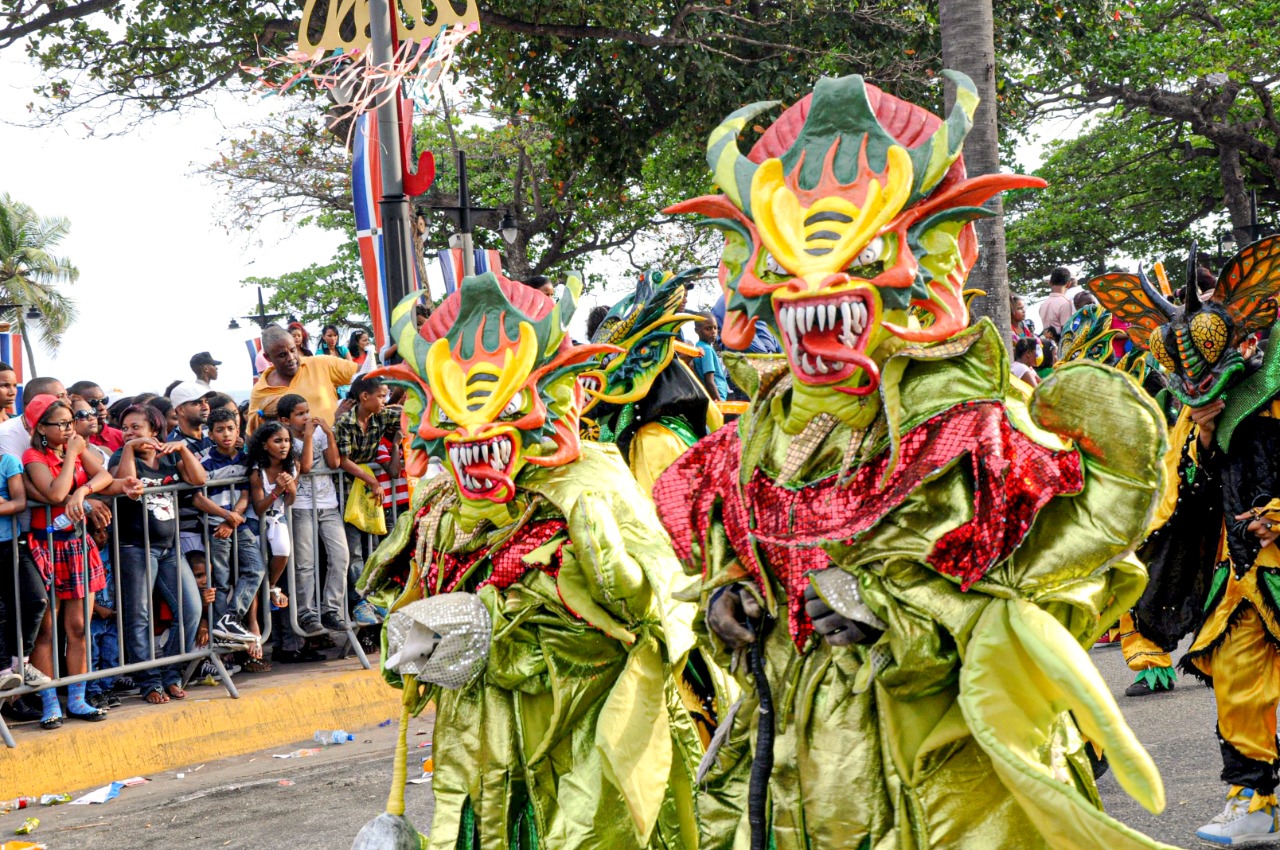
[[846, 620], [728, 611], [441, 639]]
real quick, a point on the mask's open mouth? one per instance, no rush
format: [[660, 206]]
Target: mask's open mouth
[[483, 468], [592, 383], [825, 338]]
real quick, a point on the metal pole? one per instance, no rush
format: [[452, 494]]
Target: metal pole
[[464, 217], [1253, 215], [396, 227]]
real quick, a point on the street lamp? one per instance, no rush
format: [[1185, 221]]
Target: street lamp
[[1226, 246], [262, 318], [509, 228]]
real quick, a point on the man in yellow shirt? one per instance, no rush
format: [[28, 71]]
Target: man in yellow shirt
[[314, 378]]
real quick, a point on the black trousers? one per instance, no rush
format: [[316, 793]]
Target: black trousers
[[23, 599]]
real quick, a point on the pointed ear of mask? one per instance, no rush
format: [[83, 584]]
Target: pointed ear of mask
[[1248, 286], [1135, 300]]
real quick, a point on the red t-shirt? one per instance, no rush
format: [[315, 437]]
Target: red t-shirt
[[41, 518], [111, 439]]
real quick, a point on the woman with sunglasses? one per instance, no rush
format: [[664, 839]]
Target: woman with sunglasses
[[60, 471], [87, 426]]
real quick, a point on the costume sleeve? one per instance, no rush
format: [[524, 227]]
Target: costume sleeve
[[1250, 478], [653, 449], [1024, 663]]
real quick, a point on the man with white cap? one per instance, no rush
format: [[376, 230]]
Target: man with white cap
[[191, 402]]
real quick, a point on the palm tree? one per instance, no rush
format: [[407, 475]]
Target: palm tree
[[30, 274], [968, 45]]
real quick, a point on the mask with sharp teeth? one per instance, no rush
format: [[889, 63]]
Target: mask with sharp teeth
[[645, 324], [493, 382], [849, 217]]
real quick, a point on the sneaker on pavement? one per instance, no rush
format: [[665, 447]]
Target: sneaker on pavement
[[33, 678], [230, 628], [310, 624], [125, 686], [365, 614], [9, 680], [1237, 825], [331, 621]]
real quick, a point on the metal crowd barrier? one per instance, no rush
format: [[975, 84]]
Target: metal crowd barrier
[[196, 655]]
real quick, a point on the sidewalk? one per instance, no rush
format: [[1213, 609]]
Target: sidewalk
[[286, 705]]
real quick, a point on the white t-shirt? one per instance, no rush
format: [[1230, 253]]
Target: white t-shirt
[[1022, 370], [14, 439], [326, 495]]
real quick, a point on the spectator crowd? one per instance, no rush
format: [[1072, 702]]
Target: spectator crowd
[[157, 531]]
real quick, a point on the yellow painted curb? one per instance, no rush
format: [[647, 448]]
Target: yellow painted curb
[[84, 755]]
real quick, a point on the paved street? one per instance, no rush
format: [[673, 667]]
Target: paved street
[[241, 804]]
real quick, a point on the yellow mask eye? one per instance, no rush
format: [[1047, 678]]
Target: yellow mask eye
[[1209, 333]]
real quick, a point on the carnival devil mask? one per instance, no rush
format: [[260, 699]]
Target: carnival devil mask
[[645, 325], [496, 382], [1088, 335], [1198, 344], [852, 208]]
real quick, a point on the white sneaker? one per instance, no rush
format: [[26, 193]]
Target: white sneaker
[[1237, 825], [33, 678], [9, 680]]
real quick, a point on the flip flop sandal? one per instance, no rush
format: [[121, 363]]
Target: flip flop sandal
[[175, 692], [257, 666], [92, 716], [159, 692]]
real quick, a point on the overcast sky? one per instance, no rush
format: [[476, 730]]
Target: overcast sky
[[159, 278]]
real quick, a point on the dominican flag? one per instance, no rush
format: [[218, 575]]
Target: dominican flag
[[11, 353], [451, 265], [366, 190], [255, 352]]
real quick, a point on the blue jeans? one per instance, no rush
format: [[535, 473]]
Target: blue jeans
[[138, 579], [238, 597], [106, 652]]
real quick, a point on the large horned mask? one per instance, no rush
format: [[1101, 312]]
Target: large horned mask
[[1198, 344], [850, 213]]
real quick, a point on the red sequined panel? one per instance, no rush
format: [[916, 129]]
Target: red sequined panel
[[784, 528], [507, 560]]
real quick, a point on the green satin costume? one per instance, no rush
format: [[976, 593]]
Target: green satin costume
[[575, 735], [956, 728]]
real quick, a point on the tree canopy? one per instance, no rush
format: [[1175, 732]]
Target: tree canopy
[[1116, 190]]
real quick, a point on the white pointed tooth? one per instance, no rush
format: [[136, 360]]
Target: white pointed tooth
[[484, 452], [805, 364], [495, 461], [831, 316], [506, 452], [810, 316], [822, 317], [822, 367], [862, 316], [845, 319], [789, 322]]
